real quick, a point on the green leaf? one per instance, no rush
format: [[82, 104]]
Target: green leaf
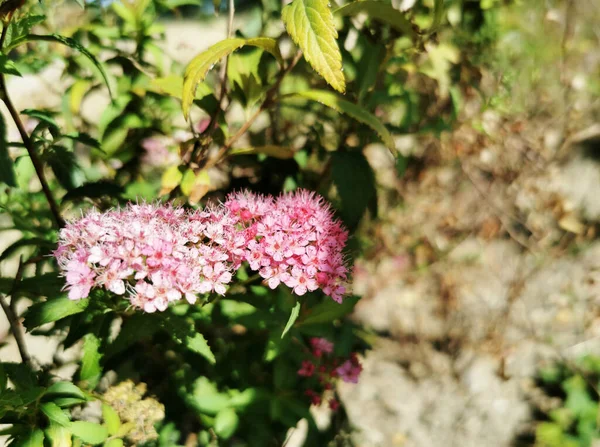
[[58, 435], [20, 27], [7, 171], [135, 328], [352, 110], [94, 190], [51, 310], [8, 66], [355, 183], [206, 398], [35, 241], [293, 316], [199, 66], [65, 389], [114, 443], [310, 24], [384, 12], [226, 423], [67, 41], [172, 85], [199, 345], [33, 439], [55, 414], [21, 375], [281, 152], [91, 371], [328, 311], [89, 432], [84, 138], [111, 419], [64, 166]]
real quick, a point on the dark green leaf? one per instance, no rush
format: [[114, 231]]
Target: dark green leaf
[[55, 414], [20, 375], [33, 439], [3, 378], [64, 165], [94, 191], [135, 328], [328, 311], [355, 183], [199, 345], [91, 371], [84, 138], [42, 115], [89, 432], [293, 316], [7, 172], [53, 309], [8, 66], [64, 41]]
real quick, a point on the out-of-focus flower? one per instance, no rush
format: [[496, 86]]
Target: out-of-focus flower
[[320, 346], [126, 399], [350, 370], [157, 153]]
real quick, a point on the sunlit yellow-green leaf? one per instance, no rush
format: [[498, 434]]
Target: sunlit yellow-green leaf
[[170, 180], [354, 111], [172, 85], [310, 24], [381, 11], [199, 66], [281, 152]]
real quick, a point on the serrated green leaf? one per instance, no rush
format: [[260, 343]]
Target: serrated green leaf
[[378, 10], [55, 414], [65, 389], [358, 113], [91, 371], [52, 310], [3, 378], [226, 423], [281, 152], [293, 317], [201, 64], [89, 432], [67, 41], [199, 345], [310, 24], [7, 171], [111, 419], [328, 311]]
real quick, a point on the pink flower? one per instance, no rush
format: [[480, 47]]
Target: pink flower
[[80, 279], [320, 346], [350, 370], [307, 369]]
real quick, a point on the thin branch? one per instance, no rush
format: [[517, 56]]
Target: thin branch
[[270, 96], [37, 164], [16, 329]]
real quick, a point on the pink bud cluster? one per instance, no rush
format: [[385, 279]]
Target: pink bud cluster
[[156, 254], [326, 368]]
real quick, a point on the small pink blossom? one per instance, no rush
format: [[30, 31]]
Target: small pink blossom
[[320, 346], [350, 370]]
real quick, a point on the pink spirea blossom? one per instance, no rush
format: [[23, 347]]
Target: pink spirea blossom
[[293, 240], [151, 254], [320, 346], [156, 254], [350, 370]]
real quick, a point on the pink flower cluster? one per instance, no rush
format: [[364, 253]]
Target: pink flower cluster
[[158, 254], [327, 369], [293, 240]]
